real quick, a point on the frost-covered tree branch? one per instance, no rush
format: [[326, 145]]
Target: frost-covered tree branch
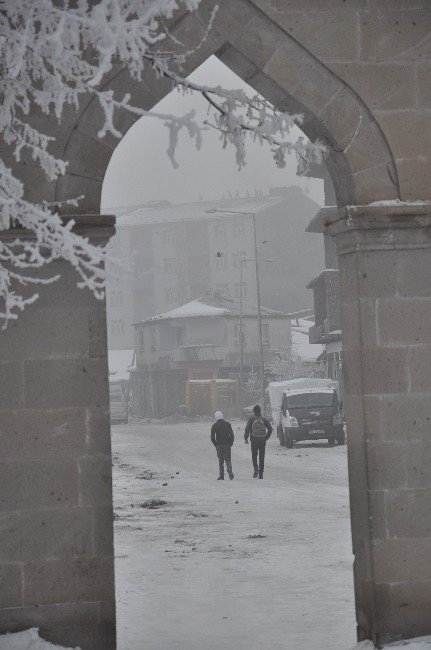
[[237, 116], [50, 239], [51, 55]]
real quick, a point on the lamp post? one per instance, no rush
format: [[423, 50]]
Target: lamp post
[[241, 336], [259, 315]]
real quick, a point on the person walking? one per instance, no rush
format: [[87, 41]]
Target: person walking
[[222, 438], [259, 429]]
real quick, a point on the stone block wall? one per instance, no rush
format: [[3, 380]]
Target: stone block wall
[[56, 550], [385, 266], [355, 70], [381, 50]]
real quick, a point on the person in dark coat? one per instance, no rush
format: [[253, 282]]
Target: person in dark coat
[[222, 438], [259, 430]]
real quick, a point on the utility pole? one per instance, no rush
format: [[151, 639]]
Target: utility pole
[[241, 340], [259, 314], [241, 331], [259, 322]]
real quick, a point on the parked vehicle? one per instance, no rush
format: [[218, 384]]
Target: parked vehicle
[[118, 402], [307, 409]]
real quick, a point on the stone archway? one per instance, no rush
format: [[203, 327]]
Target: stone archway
[[364, 95], [266, 57]]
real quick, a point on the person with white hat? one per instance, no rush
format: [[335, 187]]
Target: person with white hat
[[222, 438]]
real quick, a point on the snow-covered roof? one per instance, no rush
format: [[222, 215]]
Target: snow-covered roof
[[302, 391], [326, 272], [302, 383], [299, 386], [214, 305], [318, 221], [207, 381], [300, 340], [164, 211], [119, 359], [392, 202], [192, 309], [120, 363]]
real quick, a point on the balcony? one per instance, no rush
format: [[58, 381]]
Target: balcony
[[198, 352], [326, 291]]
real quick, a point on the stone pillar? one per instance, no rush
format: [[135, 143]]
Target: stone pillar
[[385, 267], [56, 548]]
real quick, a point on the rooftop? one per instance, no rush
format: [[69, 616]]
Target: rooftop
[[213, 305], [120, 363], [165, 211], [317, 224], [300, 340]]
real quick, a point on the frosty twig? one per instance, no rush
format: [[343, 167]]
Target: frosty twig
[[50, 56]]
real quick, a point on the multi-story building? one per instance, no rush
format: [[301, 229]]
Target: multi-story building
[[177, 253], [327, 327], [326, 292], [198, 340]]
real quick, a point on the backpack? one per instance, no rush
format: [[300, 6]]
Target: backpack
[[258, 428]]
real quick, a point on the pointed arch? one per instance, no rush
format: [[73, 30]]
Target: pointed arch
[[281, 69]]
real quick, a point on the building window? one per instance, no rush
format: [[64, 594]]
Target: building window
[[238, 231], [153, 338], [141, 340], [236, 333], [179, 335], [236, 257], [221, 262], [265, 334], [220, 232], [170, 265], [237, 290], [169, 236], [222, 289], [117, 298], [117, 327], [171, 294]]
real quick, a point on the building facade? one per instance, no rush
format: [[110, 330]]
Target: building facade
[[198, 341], [326, 288], [177, 253]]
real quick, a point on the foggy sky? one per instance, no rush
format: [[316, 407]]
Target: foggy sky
[[140, 170]]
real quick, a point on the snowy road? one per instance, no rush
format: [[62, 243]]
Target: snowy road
[[243, 564]]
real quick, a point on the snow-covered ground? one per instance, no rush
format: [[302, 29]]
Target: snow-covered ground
[[244, 564]]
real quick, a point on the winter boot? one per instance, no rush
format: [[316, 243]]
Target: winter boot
[[255, 475], [260, 475], [220, 478], [231, 475]]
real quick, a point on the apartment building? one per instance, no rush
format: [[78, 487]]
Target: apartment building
[[177, 253]]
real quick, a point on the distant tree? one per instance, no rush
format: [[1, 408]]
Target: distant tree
[[285, 364], [53, 53]]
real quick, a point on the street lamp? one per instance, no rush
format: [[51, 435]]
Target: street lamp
[[259, 315], [241, 337]]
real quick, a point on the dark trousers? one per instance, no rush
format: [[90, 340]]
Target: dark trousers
[[224, 456], [258, 448]]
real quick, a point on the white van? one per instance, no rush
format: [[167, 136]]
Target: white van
[[307, 409]]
